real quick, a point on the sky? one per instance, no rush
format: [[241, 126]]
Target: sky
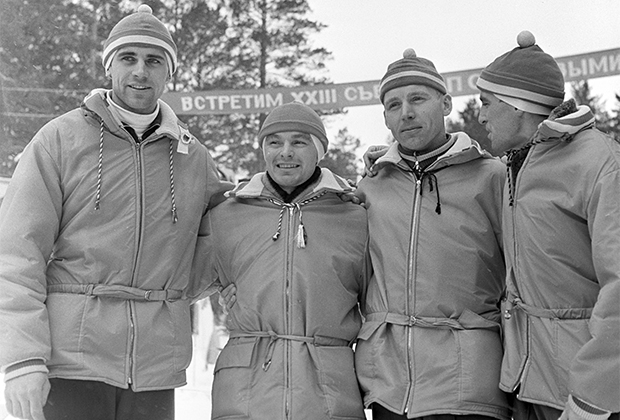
[[365, 36]]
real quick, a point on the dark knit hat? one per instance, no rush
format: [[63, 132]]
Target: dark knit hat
[[411, 70], [140, 29], [295, 116], [525, 77]]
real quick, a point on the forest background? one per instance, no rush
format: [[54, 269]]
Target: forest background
[[50, 58]]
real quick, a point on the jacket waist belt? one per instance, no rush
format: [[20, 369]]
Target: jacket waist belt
[[316, 340], [514, 301], [463, 323], [117, 291]]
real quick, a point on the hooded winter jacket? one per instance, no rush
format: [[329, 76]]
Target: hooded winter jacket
[[431, 340], [97, 235], [562, 243], [297, 313]]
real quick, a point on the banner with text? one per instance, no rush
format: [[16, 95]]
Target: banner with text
[[336, 96]]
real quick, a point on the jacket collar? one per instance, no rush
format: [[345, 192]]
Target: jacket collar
[[97, 103], [256, 186], [465, 149]]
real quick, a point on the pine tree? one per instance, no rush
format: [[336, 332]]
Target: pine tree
[[249, 44], [50, 57], [341, 158]]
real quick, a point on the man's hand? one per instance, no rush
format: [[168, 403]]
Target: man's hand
[[26, 395], [350, 197], [228, 297], [370, 157]]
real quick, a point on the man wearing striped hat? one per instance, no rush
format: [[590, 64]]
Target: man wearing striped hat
[[561, 229], [430, 345], [97, 235]]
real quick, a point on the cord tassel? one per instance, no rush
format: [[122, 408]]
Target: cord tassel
[[301, 236]]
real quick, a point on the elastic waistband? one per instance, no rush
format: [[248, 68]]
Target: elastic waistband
[[117, 292]]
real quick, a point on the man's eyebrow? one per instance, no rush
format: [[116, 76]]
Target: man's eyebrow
[[134, 54], [160, 56]]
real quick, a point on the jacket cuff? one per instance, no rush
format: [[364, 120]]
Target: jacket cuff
[[585, 410], [23, 368]]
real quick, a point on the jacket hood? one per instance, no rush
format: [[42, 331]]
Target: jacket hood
[[255, 188], [465, 149], [96, 103], [563, 124]]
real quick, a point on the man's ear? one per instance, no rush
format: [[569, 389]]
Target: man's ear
[[447, 104]]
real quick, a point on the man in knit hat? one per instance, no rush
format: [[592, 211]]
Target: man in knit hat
[[97, 233], [430, 345], [561, 224], [295, 251]]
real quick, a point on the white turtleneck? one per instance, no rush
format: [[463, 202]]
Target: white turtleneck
[[139, 122]]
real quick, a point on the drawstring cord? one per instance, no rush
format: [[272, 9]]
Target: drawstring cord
[[172, 196], [99, 167], [431, 176], [100, 171], [301, 238]]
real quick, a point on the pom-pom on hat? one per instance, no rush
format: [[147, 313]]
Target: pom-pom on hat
[[411, 70], [526, 77], [140, 29], [295, 116]]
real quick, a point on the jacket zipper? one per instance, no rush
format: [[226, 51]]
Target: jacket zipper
[[413, 249], [516, 266], [138, 148], [289, 262]]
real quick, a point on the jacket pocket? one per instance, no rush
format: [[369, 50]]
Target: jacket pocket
[[232, 380], [181, 327], [338, 382], [66, 319], [366, 356], [480, 358], [571, 335]]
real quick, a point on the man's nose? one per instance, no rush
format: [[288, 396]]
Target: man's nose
[[408, 112], [140, 69], [286, 150]]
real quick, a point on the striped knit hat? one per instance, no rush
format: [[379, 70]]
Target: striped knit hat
[[526, 78], [411, 70], [140, 29], [296, 116]]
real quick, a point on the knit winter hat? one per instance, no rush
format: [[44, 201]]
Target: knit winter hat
[[140, 29], [411, 70], [526, 77], [296, 116]]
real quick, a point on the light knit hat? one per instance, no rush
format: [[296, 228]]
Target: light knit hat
[[140, 29], [411, 70], [526, 77], [295, 116]]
